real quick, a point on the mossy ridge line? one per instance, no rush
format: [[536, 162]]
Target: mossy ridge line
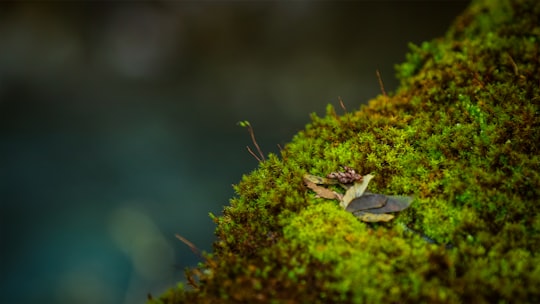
[[461, 134]]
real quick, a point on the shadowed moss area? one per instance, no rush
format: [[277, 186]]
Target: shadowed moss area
[[461, 135]]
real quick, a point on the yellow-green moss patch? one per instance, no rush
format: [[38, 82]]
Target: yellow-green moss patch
[[461, 135]]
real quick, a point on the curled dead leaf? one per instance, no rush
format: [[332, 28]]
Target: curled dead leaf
[[355, 191]]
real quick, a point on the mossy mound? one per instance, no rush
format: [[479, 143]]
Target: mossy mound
[[461, 135]]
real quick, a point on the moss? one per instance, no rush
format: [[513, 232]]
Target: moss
[[461, 134]]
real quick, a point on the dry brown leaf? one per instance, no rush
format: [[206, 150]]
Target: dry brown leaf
[[320, 180], [371, 217], [319, 190]]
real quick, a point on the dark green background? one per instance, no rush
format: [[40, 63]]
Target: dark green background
[[118, 123]]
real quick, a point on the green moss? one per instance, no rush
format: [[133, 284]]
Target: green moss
[[461, 134]]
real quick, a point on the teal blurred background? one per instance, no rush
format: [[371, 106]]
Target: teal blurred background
[[118, 123]]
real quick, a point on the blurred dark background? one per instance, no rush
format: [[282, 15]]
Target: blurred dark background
[[118, 123]]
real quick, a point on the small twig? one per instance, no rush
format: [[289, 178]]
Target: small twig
[[253, 154], [190, 276], [190, 245], [381, 84], [252, 133], [247, 125], [513, 63], [342, 104]]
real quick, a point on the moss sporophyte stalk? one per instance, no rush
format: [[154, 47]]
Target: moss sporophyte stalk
[[457, 148]]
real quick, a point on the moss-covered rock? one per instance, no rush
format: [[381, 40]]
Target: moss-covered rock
[[461, 135]]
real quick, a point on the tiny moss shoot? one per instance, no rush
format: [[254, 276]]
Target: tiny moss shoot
[[461, 135]]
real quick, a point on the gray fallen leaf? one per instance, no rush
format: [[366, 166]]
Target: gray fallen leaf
[[394, 203], [367, 201]]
